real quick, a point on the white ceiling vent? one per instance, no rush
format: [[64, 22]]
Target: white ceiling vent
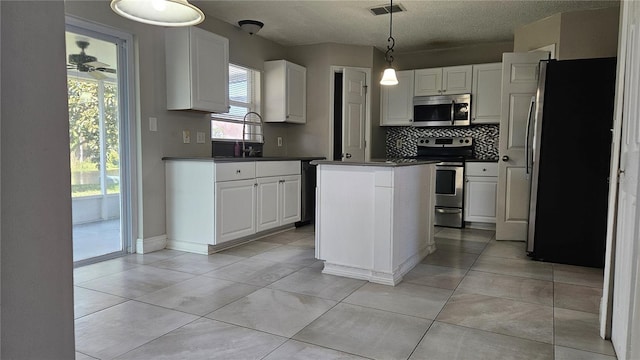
[[386, 9]]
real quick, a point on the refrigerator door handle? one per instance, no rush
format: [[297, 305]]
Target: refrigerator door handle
[[527, 146]]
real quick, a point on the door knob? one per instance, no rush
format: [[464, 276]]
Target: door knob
[[505, 158], [347, 155]]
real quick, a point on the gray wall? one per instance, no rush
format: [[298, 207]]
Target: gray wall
[[577, 34], [538, 34], [37, 289], [466, 55], [589, 34]]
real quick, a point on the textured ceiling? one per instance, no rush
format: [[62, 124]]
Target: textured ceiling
[[426, 24]]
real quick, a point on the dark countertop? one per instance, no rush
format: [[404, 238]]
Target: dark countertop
[[240, 159], [482, 160], [374, 162]]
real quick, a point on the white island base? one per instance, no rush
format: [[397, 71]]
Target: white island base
[[374, 221]]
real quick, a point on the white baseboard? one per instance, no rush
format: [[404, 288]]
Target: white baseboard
[[156, 243], [480, 226], [360, 273], [195, 248], [379, 277]]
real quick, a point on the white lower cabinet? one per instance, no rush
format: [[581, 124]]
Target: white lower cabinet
[[211, 203], [278, 201], [481, 189], [268, 203], [290, 199], [235, 209]]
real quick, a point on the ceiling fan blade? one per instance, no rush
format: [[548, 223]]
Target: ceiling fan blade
[[97, 75], [107, 70], [96, 64]]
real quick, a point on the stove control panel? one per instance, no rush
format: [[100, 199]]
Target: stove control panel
[[442, 142]]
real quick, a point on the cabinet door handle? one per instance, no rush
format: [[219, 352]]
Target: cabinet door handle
[[238, 171], [255, 185]]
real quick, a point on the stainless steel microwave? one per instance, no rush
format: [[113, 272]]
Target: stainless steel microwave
[[442, 110]]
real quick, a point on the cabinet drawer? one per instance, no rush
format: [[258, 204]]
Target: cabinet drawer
[[235, 171], [277, 168], [481, 169]]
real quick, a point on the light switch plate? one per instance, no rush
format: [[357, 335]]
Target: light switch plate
[[200, 137], [186, 136], [399, 144], [153, 124], [279, 141]]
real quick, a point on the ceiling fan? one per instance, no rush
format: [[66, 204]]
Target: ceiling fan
[[87, 63]]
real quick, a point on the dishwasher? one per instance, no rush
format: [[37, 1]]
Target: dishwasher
[[308, 195]]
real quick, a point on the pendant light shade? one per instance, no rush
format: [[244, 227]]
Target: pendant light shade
[[389, 77], [159, 12]]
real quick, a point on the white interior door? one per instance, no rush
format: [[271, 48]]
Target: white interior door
[[354, 115], [519, 85], [625, 330]]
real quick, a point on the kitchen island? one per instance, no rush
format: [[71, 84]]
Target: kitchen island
[[374, 220]]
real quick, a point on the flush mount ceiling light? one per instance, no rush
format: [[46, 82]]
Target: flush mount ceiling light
[[389, 75], [251, 26], [159, 12]]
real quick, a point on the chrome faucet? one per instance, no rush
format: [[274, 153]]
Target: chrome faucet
[[244, 133]]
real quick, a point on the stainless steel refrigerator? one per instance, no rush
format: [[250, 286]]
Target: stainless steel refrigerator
[[568, 151]]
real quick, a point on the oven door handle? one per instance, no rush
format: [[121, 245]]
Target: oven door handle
[[448, 211], [526, 142]]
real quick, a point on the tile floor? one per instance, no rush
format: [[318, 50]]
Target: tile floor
[[474, 298]]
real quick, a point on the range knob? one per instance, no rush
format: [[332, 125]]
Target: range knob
[[461, 141], [466, 141], [421, 141], [426, 141]]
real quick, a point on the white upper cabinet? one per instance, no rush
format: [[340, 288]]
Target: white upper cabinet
[[486, 93], [428, 82], [443, 81], [197, 64], [285, 92], [397, 101]]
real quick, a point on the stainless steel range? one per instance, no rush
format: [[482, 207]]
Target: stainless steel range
[[451, 152]]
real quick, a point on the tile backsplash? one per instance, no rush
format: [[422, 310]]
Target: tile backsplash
[[485, 138]]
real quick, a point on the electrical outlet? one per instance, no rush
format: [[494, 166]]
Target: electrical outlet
[[200, 137], [186, 136], [279, 141], [399, 144], [153, 124]]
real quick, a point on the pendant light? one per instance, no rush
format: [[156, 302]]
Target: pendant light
[[389, 75], [159, 12]]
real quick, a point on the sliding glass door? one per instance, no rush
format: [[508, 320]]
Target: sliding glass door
[[97, 117]]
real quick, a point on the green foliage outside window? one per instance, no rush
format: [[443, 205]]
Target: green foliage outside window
[[84, 136]]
